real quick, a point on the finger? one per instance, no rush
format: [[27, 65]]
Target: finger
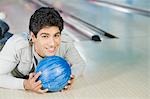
[[37, 83], [61, 90], [42, 91], [72, 76], [36, 76], [69, 82], [31, 75], [65, 88], [38, 87], [69, 87]]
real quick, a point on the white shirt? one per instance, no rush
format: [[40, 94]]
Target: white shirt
[[18, 52]]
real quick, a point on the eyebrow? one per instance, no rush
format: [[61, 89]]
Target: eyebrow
[[48, 33]]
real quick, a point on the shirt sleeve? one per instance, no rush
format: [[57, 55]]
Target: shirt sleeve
[[8, 61], [74, 58]]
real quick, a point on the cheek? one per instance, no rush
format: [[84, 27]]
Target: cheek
[[42, 41], [40, 45], [57, 44], [58, 41]]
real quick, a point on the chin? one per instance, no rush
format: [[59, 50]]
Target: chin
[[50, 54]]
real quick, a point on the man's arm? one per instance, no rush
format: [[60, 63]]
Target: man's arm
[[8, 61], [10, 82], [75, 59], [9, 58]]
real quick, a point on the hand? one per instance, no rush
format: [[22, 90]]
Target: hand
[[69, 85], [32, 84]]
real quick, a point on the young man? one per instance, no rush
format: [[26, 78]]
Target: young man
[[22, 52]]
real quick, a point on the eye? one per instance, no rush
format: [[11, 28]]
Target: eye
[[57, 35], [44, 36]]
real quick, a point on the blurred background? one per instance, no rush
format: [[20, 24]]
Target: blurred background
[[113, 37]]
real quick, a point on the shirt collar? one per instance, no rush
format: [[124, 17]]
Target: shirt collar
[[35, 54]]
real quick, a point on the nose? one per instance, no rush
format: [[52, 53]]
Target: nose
[[51, 42]]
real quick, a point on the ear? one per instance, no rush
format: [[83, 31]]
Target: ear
[[33, 38]]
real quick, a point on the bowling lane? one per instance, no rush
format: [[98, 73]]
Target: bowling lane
[[120, 24]]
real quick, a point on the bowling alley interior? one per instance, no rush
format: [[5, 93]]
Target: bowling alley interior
[[112, 37]]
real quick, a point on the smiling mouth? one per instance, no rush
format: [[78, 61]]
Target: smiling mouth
[[51, 50]]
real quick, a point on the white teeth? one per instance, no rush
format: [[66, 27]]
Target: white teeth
[[51, 49]]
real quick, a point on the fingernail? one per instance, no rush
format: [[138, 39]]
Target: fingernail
[[40, 81], [40, 72], [61, 90], [72, 76], [69, 81], [66, 87]]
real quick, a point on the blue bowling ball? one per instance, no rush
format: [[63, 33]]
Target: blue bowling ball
[[55, 73]]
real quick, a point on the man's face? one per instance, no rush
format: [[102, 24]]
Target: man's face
[[47, 41]]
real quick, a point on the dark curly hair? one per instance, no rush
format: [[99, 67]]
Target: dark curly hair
[[44, 17]]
